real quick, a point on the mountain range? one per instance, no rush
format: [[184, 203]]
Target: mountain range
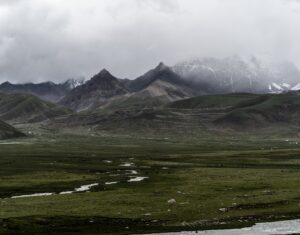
[[48, 91], [186, 79], [207, 93]]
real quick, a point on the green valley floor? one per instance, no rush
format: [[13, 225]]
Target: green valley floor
[[71, 184]]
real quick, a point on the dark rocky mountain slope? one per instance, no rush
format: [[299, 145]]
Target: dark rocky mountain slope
[[95, 92]]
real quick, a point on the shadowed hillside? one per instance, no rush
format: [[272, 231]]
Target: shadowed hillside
[[28, 108], [240, 111], [264, 110], [7, 131]]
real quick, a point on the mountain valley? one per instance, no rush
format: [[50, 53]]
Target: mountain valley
[[161, 153]]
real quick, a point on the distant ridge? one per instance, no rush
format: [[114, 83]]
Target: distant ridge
[[48, 91]]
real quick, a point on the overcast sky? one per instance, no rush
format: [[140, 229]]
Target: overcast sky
[[58, 39]]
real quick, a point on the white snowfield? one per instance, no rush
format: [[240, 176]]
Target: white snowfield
[[272, 228]]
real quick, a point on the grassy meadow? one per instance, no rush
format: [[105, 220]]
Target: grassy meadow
[[212, 181]]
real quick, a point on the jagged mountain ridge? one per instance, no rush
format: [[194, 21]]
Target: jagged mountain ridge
[[193, 78], [160, 85], [94, 92], [165, 84], [162, 82]]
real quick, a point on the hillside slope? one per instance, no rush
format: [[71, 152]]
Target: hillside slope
[[265, 110], [212, 101], [239, 112], [24, 108], [7, 131]]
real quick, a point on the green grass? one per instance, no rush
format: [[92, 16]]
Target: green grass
[[213, 101], [23, 108], [254, 178], [189, 117], [264, 110]]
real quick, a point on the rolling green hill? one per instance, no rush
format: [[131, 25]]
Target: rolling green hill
[[212, 101], [191, 116], [263, 111], [22, 108]]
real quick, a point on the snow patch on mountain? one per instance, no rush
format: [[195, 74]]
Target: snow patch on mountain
[[283, 87], [73, 83]]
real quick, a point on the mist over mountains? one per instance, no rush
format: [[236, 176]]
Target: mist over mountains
[[185, 79], [234, 74]]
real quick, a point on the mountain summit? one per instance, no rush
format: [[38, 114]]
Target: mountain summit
[[161, 66], [94, 92], [160, 72], [162, 81]]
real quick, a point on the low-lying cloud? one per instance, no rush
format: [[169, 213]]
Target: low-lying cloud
[[55, 40]]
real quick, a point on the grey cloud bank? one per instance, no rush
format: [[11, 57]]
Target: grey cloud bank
[[55, 40]]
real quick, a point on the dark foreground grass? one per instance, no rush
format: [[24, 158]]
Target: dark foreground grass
[[213, 181]]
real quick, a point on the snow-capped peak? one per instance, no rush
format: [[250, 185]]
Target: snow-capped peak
[[72, 83]]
